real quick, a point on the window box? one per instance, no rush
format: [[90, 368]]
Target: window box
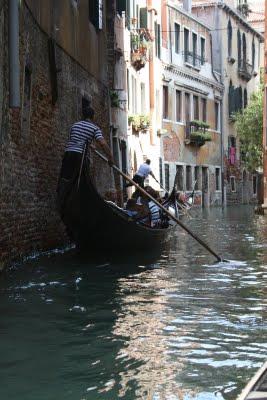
[[139, 122], [196, 133]]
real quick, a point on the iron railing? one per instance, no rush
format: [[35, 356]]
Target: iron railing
[[245, 70], [194, 59]]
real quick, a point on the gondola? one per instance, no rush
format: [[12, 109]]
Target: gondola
[[93, 223], [257, 387]]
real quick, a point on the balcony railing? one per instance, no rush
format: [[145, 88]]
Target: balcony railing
[[245, 70], [193, 59]]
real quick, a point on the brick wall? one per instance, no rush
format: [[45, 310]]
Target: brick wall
[[30, 160]]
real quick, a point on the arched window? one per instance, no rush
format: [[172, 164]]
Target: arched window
[[229, 33], [244, 49], [253, 54], [239, 48], [245, 98]]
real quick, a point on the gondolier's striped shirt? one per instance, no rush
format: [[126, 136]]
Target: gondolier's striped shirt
[[80, 133]]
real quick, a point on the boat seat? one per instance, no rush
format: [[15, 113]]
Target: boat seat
[[257, 396]]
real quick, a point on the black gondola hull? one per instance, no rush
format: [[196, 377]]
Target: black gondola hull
[[94, 224]]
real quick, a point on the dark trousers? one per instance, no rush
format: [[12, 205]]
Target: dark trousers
[[137, 179], [71, 165]]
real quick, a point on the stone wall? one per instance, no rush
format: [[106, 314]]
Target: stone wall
[[31, 158]]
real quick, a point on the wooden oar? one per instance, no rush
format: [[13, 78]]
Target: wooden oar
[[200, 241]]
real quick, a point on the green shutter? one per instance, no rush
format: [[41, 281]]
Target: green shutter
[[121, 6], [143, 17], [94, 12]]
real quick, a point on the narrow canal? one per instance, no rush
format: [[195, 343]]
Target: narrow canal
[[172, 327]]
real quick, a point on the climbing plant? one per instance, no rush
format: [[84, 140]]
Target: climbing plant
[[249, 126]]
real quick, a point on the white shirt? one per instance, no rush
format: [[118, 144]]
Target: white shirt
[[144, 170]]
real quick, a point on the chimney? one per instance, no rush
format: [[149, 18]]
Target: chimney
[[187, 5]]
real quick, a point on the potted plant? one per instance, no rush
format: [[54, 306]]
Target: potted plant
[[144, 122], [114, 98]]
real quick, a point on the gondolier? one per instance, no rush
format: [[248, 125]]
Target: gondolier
[[142, 173], [82, 132]]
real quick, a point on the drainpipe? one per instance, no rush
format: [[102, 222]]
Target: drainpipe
[[13, 50]]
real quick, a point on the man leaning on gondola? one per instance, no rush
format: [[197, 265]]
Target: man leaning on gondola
[[81, 133]]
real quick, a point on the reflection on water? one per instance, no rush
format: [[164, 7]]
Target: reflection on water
[[174, 326]]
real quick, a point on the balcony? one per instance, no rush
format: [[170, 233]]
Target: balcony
[[193, 59], [196, 134], [245, 70]]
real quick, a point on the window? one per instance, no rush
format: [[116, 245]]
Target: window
[[204, 110], [238, 48], [157, 40], [203, 50], [232, 184], [143, 17], [244, 45], [197, 177], [218, 179], [186, 44], [177, 38], [179, 177], [187, 114], [167, 176], [188, 177], [160, 172], [96, 13], [194, 41], [229, 35], [128, 89], [196, 107], [165, 102], [143, 97], [217, 116], [253, 54], [178, 105], [254, 183], [121, 6], [134, 96], [85, 103]]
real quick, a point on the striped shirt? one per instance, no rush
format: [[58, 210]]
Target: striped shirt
[[80, 133], [154, 213]]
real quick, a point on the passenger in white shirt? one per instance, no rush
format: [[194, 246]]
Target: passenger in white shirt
[[142, 173]]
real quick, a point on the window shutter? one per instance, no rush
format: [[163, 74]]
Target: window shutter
[[143, 17], [94, 12], [121, 6]]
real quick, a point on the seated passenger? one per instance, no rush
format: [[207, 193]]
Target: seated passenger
[[135, 210]]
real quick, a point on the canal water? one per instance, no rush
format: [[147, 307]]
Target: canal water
[[170, 326]]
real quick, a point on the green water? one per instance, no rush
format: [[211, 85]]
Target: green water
[[174, 326]]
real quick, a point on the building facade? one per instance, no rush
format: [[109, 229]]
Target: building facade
[[191, 107], [141, 86], [63, 58], [236, 56]]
